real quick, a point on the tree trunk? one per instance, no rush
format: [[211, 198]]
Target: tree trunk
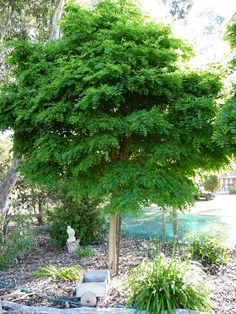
[[40, 210], [12, 175], [7, 184], [55, 29], [5, 219], [8, 22]]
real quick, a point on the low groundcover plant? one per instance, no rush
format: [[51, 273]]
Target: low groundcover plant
[[71, 273], [209, 247], [162, 286], [19, 241], [85, 252]]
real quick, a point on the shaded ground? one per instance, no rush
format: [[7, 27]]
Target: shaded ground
[[132, 253]]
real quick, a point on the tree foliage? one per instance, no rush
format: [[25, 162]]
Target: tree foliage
[[111, 110], [25, 19], [225, 132], [28, 19], [210, 182]]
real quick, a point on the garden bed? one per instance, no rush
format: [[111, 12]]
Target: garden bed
[[133, 251]]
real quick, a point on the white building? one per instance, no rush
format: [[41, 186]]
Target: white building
[[227, 181]]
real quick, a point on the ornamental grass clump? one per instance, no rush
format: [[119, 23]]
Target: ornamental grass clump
[[71, 273], [163, 285]]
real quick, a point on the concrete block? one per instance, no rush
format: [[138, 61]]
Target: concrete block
[[95, 281]]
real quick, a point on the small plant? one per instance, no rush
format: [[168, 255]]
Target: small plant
[[86, 251], [208, 247], [162, 286], [153, 248], [232, 191], [72, 273], [16, 243]]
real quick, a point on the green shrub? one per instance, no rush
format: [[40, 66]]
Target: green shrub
[[16, 243], [85, 218], [162, 285], [208, 247], [85, 251], [71, 273], [232, 191]]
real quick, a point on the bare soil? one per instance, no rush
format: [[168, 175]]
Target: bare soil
[[223, 279]]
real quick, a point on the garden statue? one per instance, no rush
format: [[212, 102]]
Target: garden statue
[[71, 234], [72, 243]]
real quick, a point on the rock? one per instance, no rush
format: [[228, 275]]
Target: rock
[[72, 246], [83, 310]]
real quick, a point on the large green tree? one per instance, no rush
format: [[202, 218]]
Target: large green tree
[[111, 110], [225, 132]]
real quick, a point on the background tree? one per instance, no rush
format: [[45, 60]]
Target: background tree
[[5, 156], [20, 19], [111, 111], [26, 195], [210, 182], [26, 19]]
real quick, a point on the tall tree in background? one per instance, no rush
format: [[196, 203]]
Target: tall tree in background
[[111, 111], [26, 20], [210, 182]]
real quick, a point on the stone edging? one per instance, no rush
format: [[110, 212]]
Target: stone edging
[[15, 307]]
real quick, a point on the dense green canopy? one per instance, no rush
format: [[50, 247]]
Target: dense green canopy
[[225, 132], [110, 109]]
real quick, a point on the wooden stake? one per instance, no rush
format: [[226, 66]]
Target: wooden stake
[[112, 255], [163, 224], [175, 223], [118, 240]]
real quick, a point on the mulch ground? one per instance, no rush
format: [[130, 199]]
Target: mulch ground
[[223, 279]]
